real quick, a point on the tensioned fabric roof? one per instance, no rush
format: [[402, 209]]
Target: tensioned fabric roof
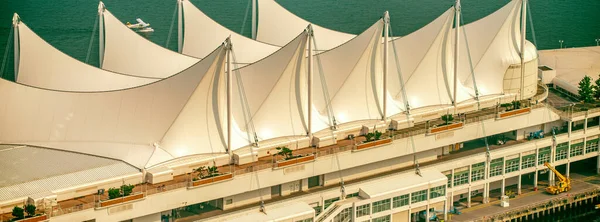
[[276, 25], [44, 66], [120, 124], [571, 65], [27, 171], [201, 34], [127, 52]]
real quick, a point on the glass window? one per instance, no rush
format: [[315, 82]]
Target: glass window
[[544, 155], [478, 171], [363, 210], [318, 210], [382, 219], [528, 161], [512, 165], [437, 192], [328, 202], [418, 196], [344, 215], [381, 205], [591, 146], [461, 178], [576, 150], [496, 167], [400, 201], [561, 153], [449, 179], [314, 181], [352, 195]]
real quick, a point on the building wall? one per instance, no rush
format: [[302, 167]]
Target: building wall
[[148, 218]]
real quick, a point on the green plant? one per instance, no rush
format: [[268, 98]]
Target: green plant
[[285, 152], [378, 135], [596, 88], [18, 213], [516, 104], [30, 210], [200, 171], [369, 137], [124, 190], [127, 189], [586, 91], [114, 193], [447, 118], [213, 171]]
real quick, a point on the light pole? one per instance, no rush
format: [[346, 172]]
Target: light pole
[[561, 43], [597, 42]]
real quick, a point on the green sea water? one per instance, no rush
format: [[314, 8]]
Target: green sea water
[[68, 24]]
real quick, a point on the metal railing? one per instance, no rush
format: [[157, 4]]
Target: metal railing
[[57, 211]]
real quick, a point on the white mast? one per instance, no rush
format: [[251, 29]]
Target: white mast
[[386, 28], [229, 92], [16, 21], [101, 32], [523, 35], [456, 41], [253, 19], [310, 80], [179, 26]]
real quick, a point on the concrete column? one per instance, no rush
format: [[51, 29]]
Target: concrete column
[[446, 209], [569, 127], [585, 121], [469, 197], [503, 187], [598, 164], [519, 185], [486, 192], [568, 169], [451, 201], [535, 178], [470, 174], [409, 214], [452, 178]]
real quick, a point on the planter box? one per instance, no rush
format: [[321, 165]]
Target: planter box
[[448, 127], [119, 200], [515, 112], [373, 144], [212, 179], [34, 219], [295, 161]]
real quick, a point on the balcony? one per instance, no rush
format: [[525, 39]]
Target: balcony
[[120, 200]]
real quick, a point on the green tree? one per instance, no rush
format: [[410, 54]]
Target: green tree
[[30, 210], [18, 212], [597, 88], [447, 118], [127, 189], [586, 91], [284, 152]]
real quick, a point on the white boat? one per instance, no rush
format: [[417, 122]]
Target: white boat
[[146, 29]]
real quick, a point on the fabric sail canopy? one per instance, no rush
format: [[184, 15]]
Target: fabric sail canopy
[[201, 33], [44, 66], [121, 124], [276, 25], [127, 52]]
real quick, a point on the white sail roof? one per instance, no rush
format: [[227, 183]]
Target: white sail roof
[[119, 124], [494, 44], [201, 34], [44, 66], [127, 52], [276, 25], [353, 74], [275, 89]]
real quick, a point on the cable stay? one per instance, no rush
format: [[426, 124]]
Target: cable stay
[[250, 129], [245, 17], [5, 58], [406, 104], [89, 51], [172, 25], [531, 24], [329, 108]]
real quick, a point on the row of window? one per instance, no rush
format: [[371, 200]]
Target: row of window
[[399, 201]]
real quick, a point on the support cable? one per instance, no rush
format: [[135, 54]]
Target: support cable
[[89, 51], [250, 129], [329, 108], [531, 24], [5, 58], [406, 104], [246, 17], [171, 27]]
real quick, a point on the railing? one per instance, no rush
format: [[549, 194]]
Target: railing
[[253, 168], [541, 97], [334, 150], [61, 211], [328, 212], [165, 188]]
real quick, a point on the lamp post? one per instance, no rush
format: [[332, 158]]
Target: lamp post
[[561, 43], [597, 42]]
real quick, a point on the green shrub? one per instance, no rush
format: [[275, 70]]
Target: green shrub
[[30, 210], [369, 137], [114, 193], [378, 135], [127, 189], [18, 212]]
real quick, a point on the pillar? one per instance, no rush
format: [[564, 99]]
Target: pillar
[[569, 127], [568, 169], [585, 121], [502, 191], [535, 178], [519, 185], [446, 211], [469, 197], [486, 192], [598, 164]]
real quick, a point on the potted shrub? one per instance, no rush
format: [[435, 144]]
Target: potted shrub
[[30, 210], [373, 139], [18, 213], [289, 158], [208, 175]]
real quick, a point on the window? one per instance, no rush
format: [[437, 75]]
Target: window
[[437, 192], [228, 201], [344, 215], [544, 155], [528, 161], [576, 150], [328, 202], [314, 181], [418, 196], [561, 152], [591, 146], [478, 171], [318, 210], [461, 178], [512, 165], [382, 219], [496, 167], [381, 205], [363, 210], [449, 179], [352, 195], [305, 220], [400, 201]]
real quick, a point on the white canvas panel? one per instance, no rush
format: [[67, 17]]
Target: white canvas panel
[[127, 52], [132, 117], [44, 66], [276, 25], [202, 34]]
